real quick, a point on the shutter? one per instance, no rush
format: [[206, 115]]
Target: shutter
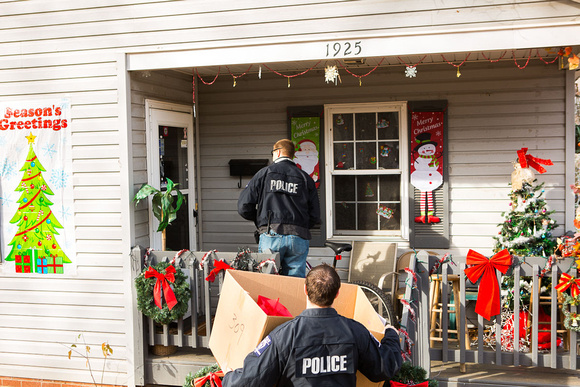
[[319, 232], [430, 235]]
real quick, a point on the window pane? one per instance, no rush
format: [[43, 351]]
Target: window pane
[[365, 126], [389, 155], [344, 218], [389, 216], [367, 216], [366, 155], [366, 189], [343, 155], [342, 127], [390, 188], [173, 156], [388, 125], [344, 188]]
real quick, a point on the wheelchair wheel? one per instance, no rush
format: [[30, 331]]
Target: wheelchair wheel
[[380, 301]]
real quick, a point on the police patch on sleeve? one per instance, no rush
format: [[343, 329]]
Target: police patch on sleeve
[[263, 346]]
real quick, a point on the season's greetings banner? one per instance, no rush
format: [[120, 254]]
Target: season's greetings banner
[[36, 196]]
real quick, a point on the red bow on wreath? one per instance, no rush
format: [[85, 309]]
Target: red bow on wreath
[[162, 280], [534, 162], [212, 377], [397, 384], [566, 281], [217, 267], [488, 299]]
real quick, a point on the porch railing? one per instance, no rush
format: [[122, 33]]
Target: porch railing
[[194, 329], [487, 348]]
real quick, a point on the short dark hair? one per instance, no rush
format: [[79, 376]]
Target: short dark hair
[[322, 285], [287, 146]]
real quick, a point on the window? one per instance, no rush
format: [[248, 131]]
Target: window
[[367, 169]]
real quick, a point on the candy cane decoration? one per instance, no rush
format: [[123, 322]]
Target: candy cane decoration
[[412, 273], [548, 266], [407, 306], [267, 262], [177, 255], [406, 354], [444, 259], [146, 256], [205, 258]]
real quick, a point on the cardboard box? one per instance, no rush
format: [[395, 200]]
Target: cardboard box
[[240, 324]]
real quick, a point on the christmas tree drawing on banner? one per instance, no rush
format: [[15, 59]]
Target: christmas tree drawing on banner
[[527, 228], [34, 247]]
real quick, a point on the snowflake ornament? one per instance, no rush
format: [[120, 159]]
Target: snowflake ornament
[[331, 74], [411, 71]]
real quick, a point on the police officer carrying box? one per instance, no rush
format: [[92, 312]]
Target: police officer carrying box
[[282, 201], [319, 347]]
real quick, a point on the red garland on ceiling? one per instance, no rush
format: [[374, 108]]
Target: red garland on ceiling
[[238, 76], [291, 76], [527, 62], [494, 60], [360, 77]]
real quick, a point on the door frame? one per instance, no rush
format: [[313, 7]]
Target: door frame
[[152, 140]]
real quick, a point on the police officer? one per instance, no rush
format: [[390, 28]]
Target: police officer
[[282, 201], [319, 347]]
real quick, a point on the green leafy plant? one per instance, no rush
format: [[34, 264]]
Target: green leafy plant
[[105, 347], [162, 204]]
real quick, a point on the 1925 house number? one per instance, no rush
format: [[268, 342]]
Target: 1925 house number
[[346, 49]]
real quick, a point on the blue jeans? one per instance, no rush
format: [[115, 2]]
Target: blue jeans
[[293, 252]]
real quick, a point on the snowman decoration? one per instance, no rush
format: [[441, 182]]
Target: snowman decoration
[[426, 176]]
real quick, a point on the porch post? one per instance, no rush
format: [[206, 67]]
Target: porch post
[[423, 315]]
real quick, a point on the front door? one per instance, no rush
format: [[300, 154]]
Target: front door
[[170, 145]]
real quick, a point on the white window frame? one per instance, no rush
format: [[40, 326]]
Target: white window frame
[[403, 171]]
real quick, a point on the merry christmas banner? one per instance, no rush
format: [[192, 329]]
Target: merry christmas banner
[[36, 196]]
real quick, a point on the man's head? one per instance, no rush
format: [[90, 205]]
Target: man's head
[[283, 147], [322, 285]]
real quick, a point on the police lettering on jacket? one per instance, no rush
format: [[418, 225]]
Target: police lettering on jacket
[[283, 186], [324, 364]]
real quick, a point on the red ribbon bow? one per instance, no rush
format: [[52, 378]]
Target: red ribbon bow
[[566, 281], [488, 300], [534, 162], [212, 377], [217, 267], [397, 384], [162, 280]]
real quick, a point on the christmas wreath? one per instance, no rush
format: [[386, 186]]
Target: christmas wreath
[[410, 375], [203, 377], [572, 320], [162, 282]]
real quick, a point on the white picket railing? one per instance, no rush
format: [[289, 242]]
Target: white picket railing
[[488, 347], [194, 329]]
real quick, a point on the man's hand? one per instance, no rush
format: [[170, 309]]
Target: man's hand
[[391, 327]]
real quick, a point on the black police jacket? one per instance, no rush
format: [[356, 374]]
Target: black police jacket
[[318, 348], [283, 192]]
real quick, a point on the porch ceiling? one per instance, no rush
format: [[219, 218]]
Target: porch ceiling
[[291, 68]]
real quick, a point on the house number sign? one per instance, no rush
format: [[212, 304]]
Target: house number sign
[[343, 49]]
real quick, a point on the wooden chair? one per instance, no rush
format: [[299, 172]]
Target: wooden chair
[[374, 262]]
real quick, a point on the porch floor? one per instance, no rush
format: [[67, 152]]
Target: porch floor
[[489, 375]]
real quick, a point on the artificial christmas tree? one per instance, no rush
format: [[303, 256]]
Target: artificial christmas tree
[[527, 228], [34, 246]]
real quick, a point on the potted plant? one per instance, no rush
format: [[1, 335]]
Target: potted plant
[[162, 204]]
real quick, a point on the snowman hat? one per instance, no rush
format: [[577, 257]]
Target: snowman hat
[[423, 139]]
